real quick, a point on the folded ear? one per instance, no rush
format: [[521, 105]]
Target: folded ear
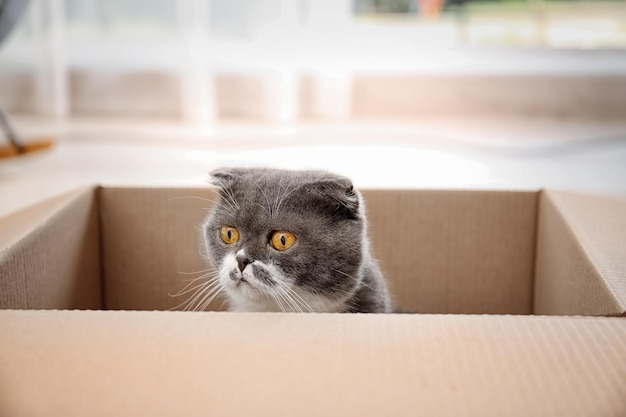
[[224, 177], [338, 195]]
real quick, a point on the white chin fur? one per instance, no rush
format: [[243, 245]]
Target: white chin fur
[[254, 296]]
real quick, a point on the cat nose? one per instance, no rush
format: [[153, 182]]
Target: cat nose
[[243, 261]]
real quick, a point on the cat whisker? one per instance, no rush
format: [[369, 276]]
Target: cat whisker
[[199, 291], [264, 208], [277, 200], [183, 306], [302, 300], [192, 297], [207, 275], [209, 269], [299, 301], [208, 298], [278, 303], [293, 307], [280, 200], [213, 202], [193, 197], [201, 296], [208, 302], [221, 306], [203, 251], [187, 290], [268, 209], [295, 297], [287, 195], [286, 301], [224, 196], [356, 280], [228, 207], [230, 199], [231, 195], [299, 307], [315, 294], [231, 211]]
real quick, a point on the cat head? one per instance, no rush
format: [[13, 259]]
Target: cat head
[[285, 240]]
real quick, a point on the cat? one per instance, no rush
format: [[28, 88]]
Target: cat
[[292, 241]]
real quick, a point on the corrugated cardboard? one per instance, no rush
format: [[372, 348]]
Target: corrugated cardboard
[[76, 364], [151, 239], [151, 244], [493, 253], [456, 251], [49, 254], [581, 263]]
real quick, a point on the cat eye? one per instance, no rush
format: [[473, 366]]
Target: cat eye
[[229, 234], [283, 240]]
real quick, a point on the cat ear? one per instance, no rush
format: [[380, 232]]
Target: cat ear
[[340, 196], [224, 177]]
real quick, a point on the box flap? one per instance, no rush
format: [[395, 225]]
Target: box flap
[[116, 363], [456, 251], [49, 254], [581, 258], [19, 224]]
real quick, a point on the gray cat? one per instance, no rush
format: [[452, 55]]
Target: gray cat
[[292, 241]]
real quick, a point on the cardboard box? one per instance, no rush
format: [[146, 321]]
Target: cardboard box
[[537, 282]]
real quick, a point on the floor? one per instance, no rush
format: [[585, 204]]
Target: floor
[[469, 154]]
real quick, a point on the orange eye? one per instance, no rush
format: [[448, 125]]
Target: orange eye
[[283, 240], [229, 234]]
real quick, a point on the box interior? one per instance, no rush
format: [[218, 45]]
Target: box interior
[[469, 252], [504, 254]]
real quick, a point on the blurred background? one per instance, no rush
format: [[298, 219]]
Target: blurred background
[[508, 94]]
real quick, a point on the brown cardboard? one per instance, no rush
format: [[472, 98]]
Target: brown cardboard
[[151, 238], [49, 254], [488, 252], [97, 363], [456, 251], [151, 244], [581, 266]]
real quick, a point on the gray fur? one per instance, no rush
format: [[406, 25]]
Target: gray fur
[[328, 269]]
